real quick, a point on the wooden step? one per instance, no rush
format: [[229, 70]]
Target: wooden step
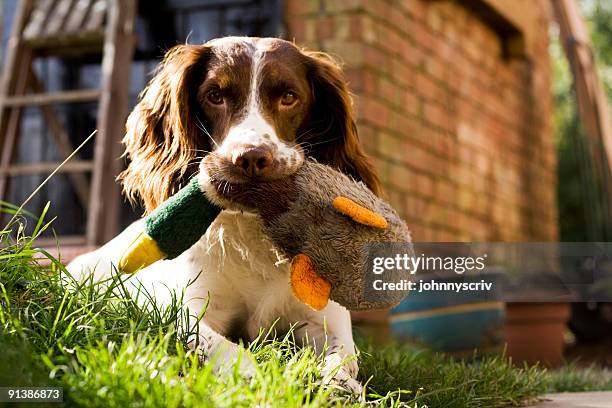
[[70, 21], [80, 95], [64, 248], [75, 166]]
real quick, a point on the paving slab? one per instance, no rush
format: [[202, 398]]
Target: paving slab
[[576, 400]]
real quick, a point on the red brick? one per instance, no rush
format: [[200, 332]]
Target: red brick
[[434, 19], [435, 68], [369, 82], [420, 159], [414, 205], [325, 28], [436, 115], [420, 233], [447, 236], [402, 73], [429, 88], [375, 111], [349, 52], [400, 177], [355, 25], [424, 37], [396, 200], [463, 139], [400, 21], [376, 59], [368, 138], [296, 28], [390, 147], [410, 103], [300, 7], [413, 55], [342, 6], [379, 8], [415, 8], [389, 91], [446, 192], [425, 185]]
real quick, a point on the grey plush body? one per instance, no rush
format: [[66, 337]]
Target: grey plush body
[[299, 218]]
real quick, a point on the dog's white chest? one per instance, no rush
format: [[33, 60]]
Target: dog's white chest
[[246, 278]]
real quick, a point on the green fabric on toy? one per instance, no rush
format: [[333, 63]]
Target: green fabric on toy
[[171, 229]]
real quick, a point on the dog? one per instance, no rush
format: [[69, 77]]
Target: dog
[[259, 106]]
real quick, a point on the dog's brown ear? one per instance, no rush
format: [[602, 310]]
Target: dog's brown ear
[[331, 134], [162, 137]]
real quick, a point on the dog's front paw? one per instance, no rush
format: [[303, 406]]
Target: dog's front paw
[[343, 381], [226, 356], [341, 372]]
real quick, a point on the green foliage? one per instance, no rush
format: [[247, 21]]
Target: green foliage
[[570, 378], [442, 381], [600, 22]]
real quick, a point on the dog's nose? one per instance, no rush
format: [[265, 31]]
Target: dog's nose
[[254, 160]]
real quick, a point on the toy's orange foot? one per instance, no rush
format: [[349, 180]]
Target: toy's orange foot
[[359, 213], [307, 285]]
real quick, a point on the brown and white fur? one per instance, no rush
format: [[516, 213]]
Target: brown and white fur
[[259, 105]]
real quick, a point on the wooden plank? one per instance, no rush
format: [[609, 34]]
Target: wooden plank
[[79, 95], [97, 14], [12, 68], [62, 140], [80, 166], [78, 15], [65, 248], [65, 44], [103, 217], [12, 128], [58, 17], [38, 18], [64, 240]]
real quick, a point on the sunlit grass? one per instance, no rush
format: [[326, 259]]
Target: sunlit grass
[[107, 350]]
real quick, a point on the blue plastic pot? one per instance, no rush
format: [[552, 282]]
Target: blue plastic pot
[[452, 321]]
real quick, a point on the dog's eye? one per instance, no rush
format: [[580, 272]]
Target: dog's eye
[[288, 98], [215, 97]]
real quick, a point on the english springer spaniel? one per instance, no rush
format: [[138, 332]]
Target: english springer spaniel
[[260, 106]]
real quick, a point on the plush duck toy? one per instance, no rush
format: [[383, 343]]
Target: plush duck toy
[[329, 225]]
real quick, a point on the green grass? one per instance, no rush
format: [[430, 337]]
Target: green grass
[[571, 378], [107, 351]]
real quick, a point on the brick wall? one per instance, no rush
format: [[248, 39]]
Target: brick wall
[[462, 137]]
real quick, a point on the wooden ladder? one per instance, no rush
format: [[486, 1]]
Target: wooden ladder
[[43, 28]]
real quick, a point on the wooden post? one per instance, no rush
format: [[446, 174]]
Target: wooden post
[[105, 201], [10, 129], [590, 96], [12, 82], [13, 57]]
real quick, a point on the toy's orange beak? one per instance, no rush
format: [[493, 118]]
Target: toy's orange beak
[[307, 285]]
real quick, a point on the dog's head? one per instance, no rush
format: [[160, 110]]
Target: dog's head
[[256, 105]]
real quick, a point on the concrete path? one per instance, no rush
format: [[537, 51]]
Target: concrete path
[[577, 400]]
